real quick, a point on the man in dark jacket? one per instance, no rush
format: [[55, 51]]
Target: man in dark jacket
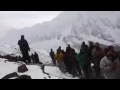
[[36, 57], [83, 61], [52, 55], [84, 46], [32, 58], [91, 47], [24, 48], [59, 49], [97, 54], [65, 59], [74, 64], [68, 49]]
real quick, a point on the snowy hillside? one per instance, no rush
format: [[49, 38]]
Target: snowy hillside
[[50, 71], [7, 49], [71, 27]]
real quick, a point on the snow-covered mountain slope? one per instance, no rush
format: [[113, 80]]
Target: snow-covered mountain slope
[[34, 71], [7, 49], [71, 27]]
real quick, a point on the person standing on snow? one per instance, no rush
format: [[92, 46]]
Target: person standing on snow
[[52, 55], [90, 48], [110, 65], [32, 58], [68, 57], [36, 57], [66, 61], [64, 57], [59, 59], [97, 54], [24, 48], [74, 64], [82, 60]]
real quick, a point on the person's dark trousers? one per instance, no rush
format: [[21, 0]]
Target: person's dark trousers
[[75, 68], [97, 71], [89, 65], [32, 60], [26, 57], [86, 71], [78, 68], [69, 67], [53, 61], [73, 71], [97, 68], [66, 65], [36, 60]]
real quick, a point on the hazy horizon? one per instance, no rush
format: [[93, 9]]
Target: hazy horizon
[[20, 19]]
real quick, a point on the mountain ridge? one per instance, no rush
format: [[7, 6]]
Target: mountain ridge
[[73, 27]]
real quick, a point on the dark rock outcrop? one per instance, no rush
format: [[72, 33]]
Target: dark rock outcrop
[[22, 68], [24, 77], [11, 75]]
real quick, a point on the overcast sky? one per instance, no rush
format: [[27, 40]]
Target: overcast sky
[[21, 19]]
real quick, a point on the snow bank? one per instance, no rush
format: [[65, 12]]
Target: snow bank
[[54, 71], [6, 68], [8, 49], [34, 71], [44, 56]]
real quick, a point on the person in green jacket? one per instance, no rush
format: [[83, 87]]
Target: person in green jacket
[[82, 60]]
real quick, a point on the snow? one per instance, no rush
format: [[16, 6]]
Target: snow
[[44, 35], [44, 56], [48, 44], [34, 71], [6, 68], [97, 26], [56, 72], [71, 27], [7, 49]]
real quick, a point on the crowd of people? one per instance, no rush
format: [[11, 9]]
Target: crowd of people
[[105, 61]]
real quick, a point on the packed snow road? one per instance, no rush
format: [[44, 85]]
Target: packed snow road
[[34, 71], [38, 71]]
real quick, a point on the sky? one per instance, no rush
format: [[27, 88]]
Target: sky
[[21, 19]]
